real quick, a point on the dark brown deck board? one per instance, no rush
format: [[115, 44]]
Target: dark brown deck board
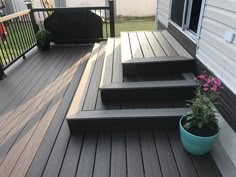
[[106, 77], [15, 77], [88, 155], [118, 155], [40, 160], [134, 155], [56, 158], [91, 96], [117, 67], [32, 138], [150, 157], [156, 47], [183, 159], [135, 46], [71, 159], [205, 166], [125, 47], [166, 157], [14, 133], [103, 154], [23, 88], [42, 86], [165, 44], [146, 48]]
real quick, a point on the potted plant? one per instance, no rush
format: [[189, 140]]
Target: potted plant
[[43, 39], [199, 128]]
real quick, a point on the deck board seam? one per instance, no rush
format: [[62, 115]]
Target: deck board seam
[[150, 45]]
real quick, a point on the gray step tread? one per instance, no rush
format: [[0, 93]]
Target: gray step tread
[[130, 113], [149, 85]]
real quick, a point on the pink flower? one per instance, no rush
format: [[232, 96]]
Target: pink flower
[[205, 88], [201, 77], [214, 88]]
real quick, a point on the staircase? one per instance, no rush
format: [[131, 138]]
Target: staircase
[[151, 70]]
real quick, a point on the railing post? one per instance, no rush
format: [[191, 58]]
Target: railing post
[[2, 74], [29, 5], [112, 18]]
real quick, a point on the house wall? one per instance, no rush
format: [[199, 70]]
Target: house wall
[[136, 7], [84, 3], [213, 51], [163, 11], [219, 57]]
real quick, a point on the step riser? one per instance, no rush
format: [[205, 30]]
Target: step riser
[[166, 94], [145, 69], [165, 122]]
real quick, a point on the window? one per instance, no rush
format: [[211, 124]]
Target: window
[[186, 13]]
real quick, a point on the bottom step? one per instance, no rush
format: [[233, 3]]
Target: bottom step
[[127, 118]]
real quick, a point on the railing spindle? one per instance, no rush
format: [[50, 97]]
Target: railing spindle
[[18, 38], [9, 45], [112, 18], [14, 37]]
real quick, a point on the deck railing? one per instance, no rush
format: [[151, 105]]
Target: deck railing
[[16, 38], [105, 12], [19, 30]]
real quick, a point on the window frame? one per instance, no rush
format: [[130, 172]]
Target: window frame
[[185, 26]]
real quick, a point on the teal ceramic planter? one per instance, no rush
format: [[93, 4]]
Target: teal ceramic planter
[[196, 145]]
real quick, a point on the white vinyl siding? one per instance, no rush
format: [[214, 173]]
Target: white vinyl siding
[[163, 11], [217, 54]]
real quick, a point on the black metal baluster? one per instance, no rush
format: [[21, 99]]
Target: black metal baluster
[[14, 37], [19, 44], [18, 26], [9, 44], [40, 21], [105, 11], [3, 55], [32, 29], [26, 37], [5, 49], [112, 20], [28, 30], [2, 74]]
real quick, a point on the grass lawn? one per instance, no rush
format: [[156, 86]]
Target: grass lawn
[[134, 24]]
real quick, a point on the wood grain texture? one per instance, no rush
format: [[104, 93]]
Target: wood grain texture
[[125, 47], [80, 94], [176, 45], [165, 44], [156, 47], [108, 63], [92, 90], [18, 14], [117, 75], [135, 45], [88, 155], [118, 154], [134, 155], [166, 157], [146, 48]]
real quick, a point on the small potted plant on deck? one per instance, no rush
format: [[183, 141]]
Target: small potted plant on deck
[[43, 39], [199, 128]]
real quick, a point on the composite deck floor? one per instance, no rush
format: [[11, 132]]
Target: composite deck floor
[[35, 139]]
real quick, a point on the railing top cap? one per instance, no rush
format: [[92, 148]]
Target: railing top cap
[[9, 17]]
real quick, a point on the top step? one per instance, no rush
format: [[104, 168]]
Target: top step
[[153, 52]]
